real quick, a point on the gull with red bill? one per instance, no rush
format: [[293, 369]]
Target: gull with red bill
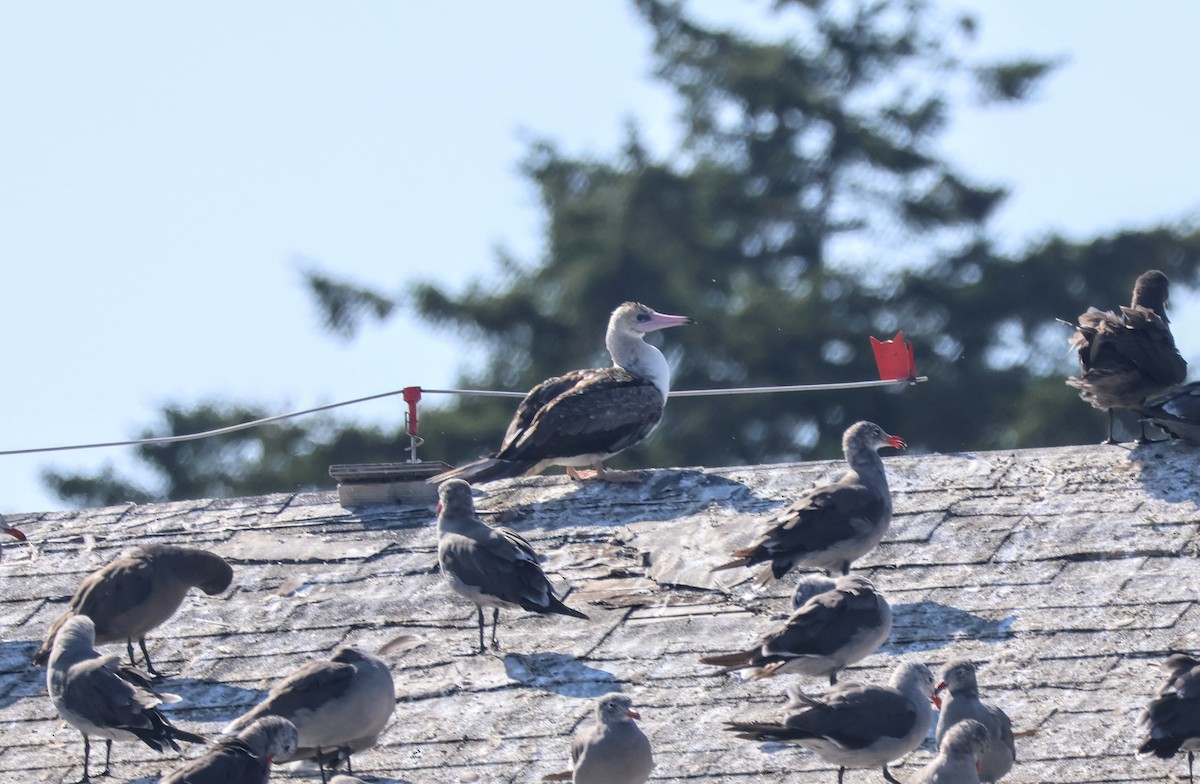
[[610, 750], [582, 418], [853, 725], [1128, 356], [833, 525]]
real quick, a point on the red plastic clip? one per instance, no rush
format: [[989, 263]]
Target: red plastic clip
[[894, 358], [411, 396]]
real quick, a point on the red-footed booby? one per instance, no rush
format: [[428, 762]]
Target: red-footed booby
[[855, 726], [139, 590], [492, 567], [840, 625], [832, 525], [1127, 357], [584, 417], [963, 704]]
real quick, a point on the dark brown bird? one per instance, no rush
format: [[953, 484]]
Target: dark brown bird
[[1177, 412], [1127, 357], [138, 591], [1183, 675], [832, 525]]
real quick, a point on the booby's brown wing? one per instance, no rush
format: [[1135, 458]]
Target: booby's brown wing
[[1177, 412], [586, 412], [535, 400], [1183, 402], [1135, 340]]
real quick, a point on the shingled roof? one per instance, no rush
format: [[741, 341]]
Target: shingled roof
[[1064, 572]]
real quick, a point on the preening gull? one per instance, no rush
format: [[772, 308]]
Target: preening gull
[[1128, 356], [138, 591]]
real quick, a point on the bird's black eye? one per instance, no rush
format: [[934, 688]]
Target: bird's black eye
[[643, 316]]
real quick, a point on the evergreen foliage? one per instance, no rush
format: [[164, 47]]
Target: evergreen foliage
[[806, 208]]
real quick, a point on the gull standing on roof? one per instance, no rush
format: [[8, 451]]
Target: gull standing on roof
[[1177, 412], [1127, 357], [100, 697], [958, 757], [833, 525], [138, 591], [963, 703], [1171, 722], [610, 750], [855, 726], [835, 623], [339, 707], [493, 567], [244, 759], [584, 417]]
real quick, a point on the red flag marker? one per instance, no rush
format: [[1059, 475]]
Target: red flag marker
[[894, 358]]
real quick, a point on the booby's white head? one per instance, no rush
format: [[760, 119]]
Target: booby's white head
[[626, 343]]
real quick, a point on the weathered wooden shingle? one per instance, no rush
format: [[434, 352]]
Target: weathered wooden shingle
[[1065, 573]]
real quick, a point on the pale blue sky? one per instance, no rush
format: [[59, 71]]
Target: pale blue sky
[[164, 170]]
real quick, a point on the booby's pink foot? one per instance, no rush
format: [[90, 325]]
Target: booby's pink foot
[[602, 474]]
